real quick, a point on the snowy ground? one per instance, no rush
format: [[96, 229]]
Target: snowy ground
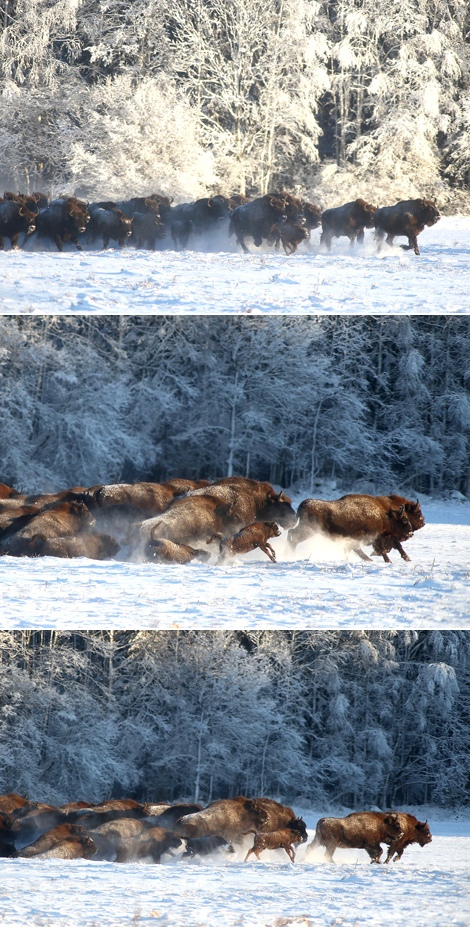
[[322, 588], [227, 281], [429, 887]]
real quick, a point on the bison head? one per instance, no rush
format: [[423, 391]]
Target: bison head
[[423, 833], [430, 212], [367, 213]]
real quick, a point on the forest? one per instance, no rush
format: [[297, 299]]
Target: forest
[[330, 98], [342, 403], [322, 718]]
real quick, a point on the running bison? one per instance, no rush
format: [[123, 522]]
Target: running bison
[[349, 220], [250, 538], [15, 218], [231, 818], [362, 830], [65, 841], [284, 839], [359, 517], [412, 831], [407, 218], [256, 219]]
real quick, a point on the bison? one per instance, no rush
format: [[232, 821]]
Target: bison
[[285, 839], [200, 217], [364, 830], [65, 841], [93, 546], [63, 220], [356, 516], [108, 224], [407, 218], [231, 818], [16, 218], [256, 219], [412, 831], [250, 538], [349, 220], [57, 520], [204, 846], [160, 550], [150, 844]]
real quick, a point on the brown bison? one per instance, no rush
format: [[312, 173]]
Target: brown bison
[[408, 218], [11, 801], [160, 550], [285, 839], [412, 831], [250, 538], [7, 838], [256, 219], [231, 818], [223, 508], [32, 820], [204, 846], [150, 844], [148, 498], [349, 220], [58, 520], [362, 830], [359, 517], [94, 546], [181, 486], [65, 841]]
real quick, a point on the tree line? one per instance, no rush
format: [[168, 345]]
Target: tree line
[[327, 718], [358, 403], [337, 97]]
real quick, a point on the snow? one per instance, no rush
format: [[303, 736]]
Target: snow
[[323, 587], [429, 887], [356, 280]]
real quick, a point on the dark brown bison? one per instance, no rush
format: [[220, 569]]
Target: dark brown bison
[[198, 218], [150, 844], [289, 235], [7, 492], [256, 219], [357, 516], [349, 220], [364, 830], [32, 820], [15, 218], [412, 831], [408, 218], [231, 818], [63, 220], [205, 846], [65, 841], [252, 537], [108, 224], [7, 839], [285, 839], [94, 546], [58, 520], [160, 550]]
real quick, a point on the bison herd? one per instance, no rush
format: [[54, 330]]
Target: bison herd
[[126, 831], [181, 520], [275, 219]]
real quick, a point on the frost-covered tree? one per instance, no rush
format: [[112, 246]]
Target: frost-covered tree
[[254, 73]]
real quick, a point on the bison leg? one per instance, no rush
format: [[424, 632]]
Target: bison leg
[[325, 239], [360, 553], [291, 853], [360, 237], [389, 239], [374, 852], [412, 243], [267, 549], [379, 237], [298, 534], [58, 242]]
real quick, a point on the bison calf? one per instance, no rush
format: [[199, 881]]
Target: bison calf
[[284, 839], [253, 536]]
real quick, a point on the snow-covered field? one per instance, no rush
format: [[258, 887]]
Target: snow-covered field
[[323, 587], [429, 887], [226, 281]]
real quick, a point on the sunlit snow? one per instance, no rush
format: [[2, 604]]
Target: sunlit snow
[[222, 280], [323, 587]]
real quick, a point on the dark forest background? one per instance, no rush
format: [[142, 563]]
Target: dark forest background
[[307, 403], [321, 718]]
